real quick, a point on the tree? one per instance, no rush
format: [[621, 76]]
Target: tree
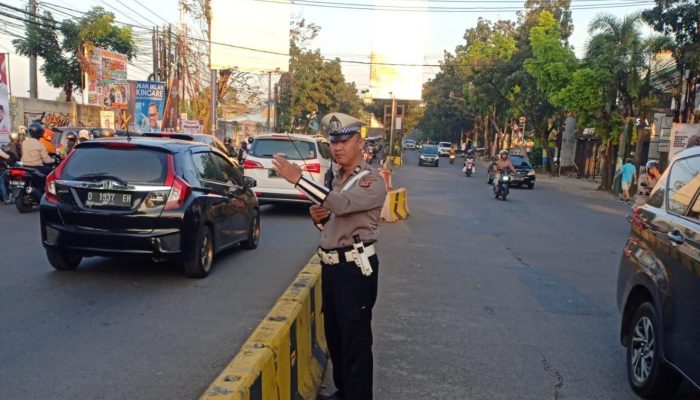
[[680, 19], [61, 45], [313, 86]]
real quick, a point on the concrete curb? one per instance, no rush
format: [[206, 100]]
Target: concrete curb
[[286, 355]]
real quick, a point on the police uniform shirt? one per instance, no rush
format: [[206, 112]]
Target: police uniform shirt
[[354, 211]]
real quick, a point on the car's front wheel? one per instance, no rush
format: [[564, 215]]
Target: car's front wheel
[[647, 373], [253, 233], [199, 263], [63, 261]]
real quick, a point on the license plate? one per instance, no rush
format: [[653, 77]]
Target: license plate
[[15, 184], [271, 173], [108, 199]]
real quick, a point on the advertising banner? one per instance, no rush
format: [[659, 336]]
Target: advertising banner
[[683, 136], [191, 126], [107, 119], [149, 103], [106, 78], [4, 96]]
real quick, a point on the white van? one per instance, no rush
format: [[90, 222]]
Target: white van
[[312, 153]]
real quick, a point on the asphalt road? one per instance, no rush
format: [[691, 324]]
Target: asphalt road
[[134, 330], [485, 299]]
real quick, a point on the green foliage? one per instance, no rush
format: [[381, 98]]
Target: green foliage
[[313, 86], [60, 45]]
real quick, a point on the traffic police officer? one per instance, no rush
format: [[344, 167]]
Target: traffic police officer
[[348, 213]]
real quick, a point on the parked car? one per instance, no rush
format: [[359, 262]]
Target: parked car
[[312, 153], [409, 144], [429, 156], [157, 198], [444, 148], [659, 282]]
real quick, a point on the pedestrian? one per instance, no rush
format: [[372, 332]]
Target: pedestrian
[[628, 176], [647, 181], [229, 147], [242, 152], [347, 212]]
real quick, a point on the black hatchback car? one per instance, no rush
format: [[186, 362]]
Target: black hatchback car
[[163, 199], [658, 287]]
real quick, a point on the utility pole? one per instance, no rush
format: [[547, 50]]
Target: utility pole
[[393, 125], [269, 101], [213, 91], [154, 43], [33, 93]]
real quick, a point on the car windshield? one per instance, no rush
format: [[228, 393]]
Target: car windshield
[[430, 150], [299, 150], [520, 161], [128, 165], [445, 144]]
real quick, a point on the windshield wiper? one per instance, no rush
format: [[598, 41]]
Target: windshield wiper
[[101, 175]]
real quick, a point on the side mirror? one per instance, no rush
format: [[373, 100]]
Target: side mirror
[[249, 182]]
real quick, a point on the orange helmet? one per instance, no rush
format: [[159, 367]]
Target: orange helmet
[[48, 134]]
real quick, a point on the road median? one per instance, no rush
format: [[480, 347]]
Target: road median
[[284, 358]]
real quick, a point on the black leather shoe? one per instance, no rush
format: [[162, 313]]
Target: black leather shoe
[[335, 396]]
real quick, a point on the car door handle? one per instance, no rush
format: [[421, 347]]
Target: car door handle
[[676, 237]]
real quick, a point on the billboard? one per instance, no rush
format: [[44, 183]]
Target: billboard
[[149, 103], [4, 95], [260, 32], [106, 78], [398, 42], [683, 136]]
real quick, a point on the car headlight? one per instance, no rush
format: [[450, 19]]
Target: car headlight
[[531, 173]]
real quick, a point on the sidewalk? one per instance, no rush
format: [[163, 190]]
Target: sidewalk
[[584, 187]]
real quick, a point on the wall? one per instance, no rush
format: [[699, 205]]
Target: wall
[[58, 113]]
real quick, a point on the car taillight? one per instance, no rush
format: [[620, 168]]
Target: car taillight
[[250, 164], [314, 168], [179, 192], [18, 174], [50, 193]]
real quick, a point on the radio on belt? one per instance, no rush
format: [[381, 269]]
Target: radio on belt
[[361, 258]]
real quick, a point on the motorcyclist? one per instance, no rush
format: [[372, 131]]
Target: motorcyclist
[[71, 140], [47, 140], [5, 162], [14, 148], [647, 181], [83, 135], [502, 163], [34, 154]]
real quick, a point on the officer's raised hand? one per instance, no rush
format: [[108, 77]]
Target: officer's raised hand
[[287, 170]]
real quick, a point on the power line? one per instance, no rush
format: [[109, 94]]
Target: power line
[[372, 7], [135, 12], [149, 10]]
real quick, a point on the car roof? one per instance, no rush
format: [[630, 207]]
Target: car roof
[[171, 145], [287, 136], [693, 151]]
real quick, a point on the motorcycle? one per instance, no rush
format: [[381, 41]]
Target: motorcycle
[[453, 156], [502, 187], [469, 167], [27, 186]]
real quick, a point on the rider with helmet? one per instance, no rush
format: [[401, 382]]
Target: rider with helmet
[[647, 181], [14, 148], [71, 140], [83, 135], [47, 140], [34, 154]]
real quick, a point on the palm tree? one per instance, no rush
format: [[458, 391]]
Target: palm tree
[[617, 46]]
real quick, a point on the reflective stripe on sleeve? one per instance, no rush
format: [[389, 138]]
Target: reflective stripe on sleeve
[[313, 191]]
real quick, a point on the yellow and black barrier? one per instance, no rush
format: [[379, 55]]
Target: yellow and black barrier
[[285, 357], [395, 206]]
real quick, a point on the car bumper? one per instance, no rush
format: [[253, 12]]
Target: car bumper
[[430, 162], [522, 180], [88, 242], [281, 196]]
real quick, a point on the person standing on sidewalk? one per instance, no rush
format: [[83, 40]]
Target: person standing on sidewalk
[[628, 176], [348, 214]]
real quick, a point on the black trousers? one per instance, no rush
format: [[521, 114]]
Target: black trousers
[[348, 298]]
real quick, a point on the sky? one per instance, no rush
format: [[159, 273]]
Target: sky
[[346, 34]]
